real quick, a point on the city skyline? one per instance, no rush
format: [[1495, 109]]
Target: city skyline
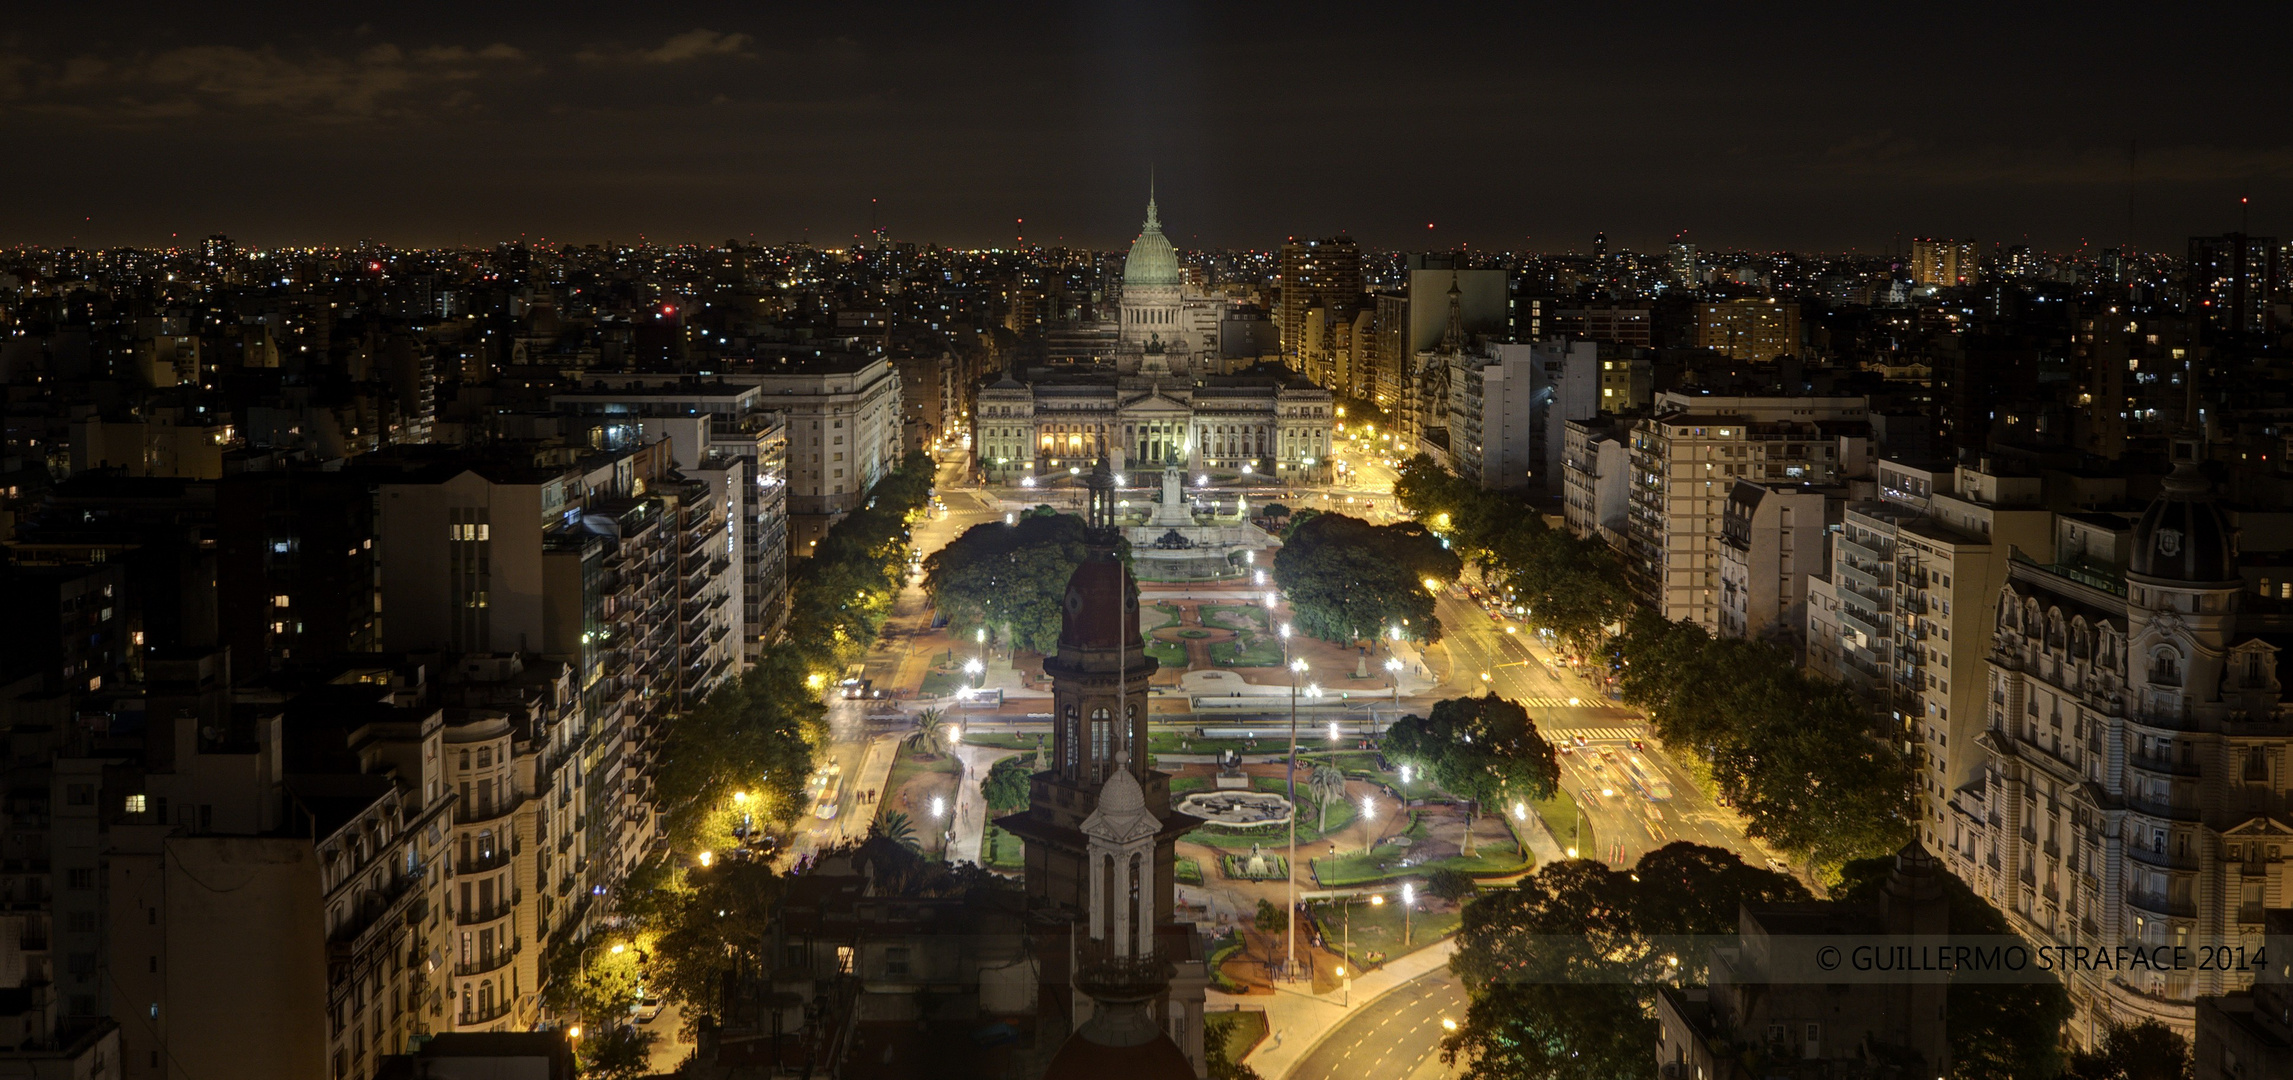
[[1849, 135]]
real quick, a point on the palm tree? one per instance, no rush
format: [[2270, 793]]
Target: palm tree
[[931, 731], [1327, 784], [895, 827]]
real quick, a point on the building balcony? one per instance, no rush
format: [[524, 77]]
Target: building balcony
[[2156, 904], [476, 814], [1872, 579], [479, 864], [479, 916], [1872, 626], [484, 965], [476, 1017]]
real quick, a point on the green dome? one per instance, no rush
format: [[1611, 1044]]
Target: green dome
[[1152, 260]]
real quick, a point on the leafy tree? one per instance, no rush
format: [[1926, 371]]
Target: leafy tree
[[1574, 587], [1483, 749], [709, 924], [1998, 1031], [1348, 579], [895, 826], [1480, 524], [1455, 886], [616, 1052], [1005, 786], [1273, 511], [755, 735], [1561, 969], [1801, 757], [1011, 576], [932, 732], [1270, 919], [841, 595], [1297, 520], [587, 980], [2145, 1051], [1327, 783]]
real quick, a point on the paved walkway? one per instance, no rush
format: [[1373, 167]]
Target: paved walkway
[[970, 804], [1303, 1019]]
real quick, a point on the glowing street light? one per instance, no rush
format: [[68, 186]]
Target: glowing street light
[[1026, 481], [708, 858], [618, 948], [1432, 586], [739, 797], [939, 806], [1202, 480], [1286, 634], [1333, 731]]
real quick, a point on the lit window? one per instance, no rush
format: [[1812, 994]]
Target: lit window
[[279, 601], [135, 804]]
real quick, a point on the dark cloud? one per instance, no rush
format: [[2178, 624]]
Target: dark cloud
[[1507, 125]]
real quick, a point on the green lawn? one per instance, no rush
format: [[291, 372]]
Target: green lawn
[[1169, 654], [1244, 1030], [941, 683], [1004, 740], [1559, 812], [1170, 613], [1004, 851], [1184, 784], [1237, 617], [1384, 861], [1377, 928], [1186, 871], [942, 773], [1249, 651]]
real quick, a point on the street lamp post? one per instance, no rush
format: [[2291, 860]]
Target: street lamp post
[[1375, 900], [1408, 905], [1297, 667]]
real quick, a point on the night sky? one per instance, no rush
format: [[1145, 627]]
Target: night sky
[[1826, 127]]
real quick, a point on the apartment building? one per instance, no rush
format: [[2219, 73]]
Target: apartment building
[[720, 433], [1686, 459], [843, 425], [1905, 567], [1771, 543], [1595, 475]]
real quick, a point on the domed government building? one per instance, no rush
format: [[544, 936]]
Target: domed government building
[[1155, 388]]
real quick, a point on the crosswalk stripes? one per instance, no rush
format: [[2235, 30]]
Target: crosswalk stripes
[[1600, 734], [1565, 703]]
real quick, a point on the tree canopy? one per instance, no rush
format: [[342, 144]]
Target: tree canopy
[[1485, 748], [1012, 577], [1348, 579], [1804, 760], [755, 735], [1562, 968], [840, 596]]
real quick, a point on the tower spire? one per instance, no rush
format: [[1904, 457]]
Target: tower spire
[[1152, 221]]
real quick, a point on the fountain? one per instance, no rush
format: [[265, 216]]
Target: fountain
[[1237, 809], [1171, 546]]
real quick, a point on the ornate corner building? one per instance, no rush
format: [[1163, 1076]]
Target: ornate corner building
[[2133, 787]]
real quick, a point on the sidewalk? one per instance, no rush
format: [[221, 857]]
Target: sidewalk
[[1304, 1019], [970, 805]]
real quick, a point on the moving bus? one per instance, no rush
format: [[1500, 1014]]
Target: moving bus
[[1645, 777]]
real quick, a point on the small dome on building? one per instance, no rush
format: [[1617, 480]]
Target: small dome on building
[[2183, 535], [1101, 609]]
